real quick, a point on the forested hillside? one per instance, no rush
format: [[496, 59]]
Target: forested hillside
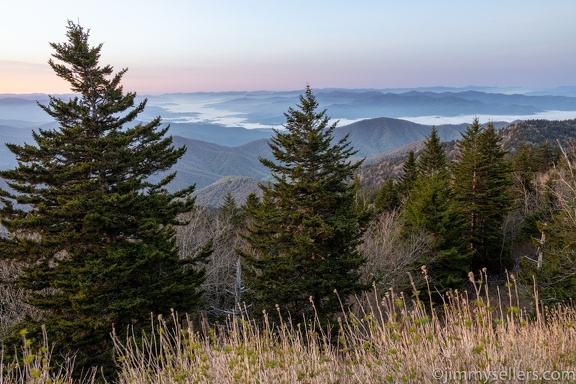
[[534, 132]]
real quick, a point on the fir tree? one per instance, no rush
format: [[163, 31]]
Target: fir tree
[[305, 232], [431, 207], [230, 211], [481, 179], [430, 185], [432, 159], [387, 198], [94, 236], [409, 175]]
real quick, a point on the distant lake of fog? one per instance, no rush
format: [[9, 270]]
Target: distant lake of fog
[[438, 120]]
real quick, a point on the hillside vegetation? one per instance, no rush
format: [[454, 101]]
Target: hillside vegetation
[[400, 332], [533, 132], [477, 337]]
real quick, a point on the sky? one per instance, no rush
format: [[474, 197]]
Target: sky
[[230, 45]]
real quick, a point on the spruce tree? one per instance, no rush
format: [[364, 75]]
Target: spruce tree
[[554, 261], [481, 180], [431, 182], [387, 198], [409, 176], [94, 235], [304, 233], [230, 211], [431, 207], [432, 159]]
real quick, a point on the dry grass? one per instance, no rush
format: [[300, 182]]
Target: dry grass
[[396, 339], [33, 365]]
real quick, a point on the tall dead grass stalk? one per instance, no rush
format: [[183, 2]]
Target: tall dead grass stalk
[[33, 364], [389, 339], [396, 339]]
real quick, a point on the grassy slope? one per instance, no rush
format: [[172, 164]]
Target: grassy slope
[[386, 339]]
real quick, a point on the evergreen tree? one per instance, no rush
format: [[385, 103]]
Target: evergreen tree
[[387, 198], [554, 262], [409, 176], [305, 232], [432, 160], [229, 210], [93, 234], [431, 207], [429, 191], [481, 179]]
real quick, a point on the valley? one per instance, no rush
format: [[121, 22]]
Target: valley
[[226, 132]]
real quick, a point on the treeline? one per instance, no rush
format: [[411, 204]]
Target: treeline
[[468, 206], [92, 246]]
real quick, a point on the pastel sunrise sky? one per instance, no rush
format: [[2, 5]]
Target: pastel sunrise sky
[[232, 45]]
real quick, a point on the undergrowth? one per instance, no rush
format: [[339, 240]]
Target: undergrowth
[[387, 339]]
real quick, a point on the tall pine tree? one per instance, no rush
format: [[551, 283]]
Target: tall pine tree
[[94, 236], [408, 178], [305, 232], [387, 198], [431, 207], [432, 159], [481, 181]]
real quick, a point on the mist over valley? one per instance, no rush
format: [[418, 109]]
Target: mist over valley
[[227, 132]]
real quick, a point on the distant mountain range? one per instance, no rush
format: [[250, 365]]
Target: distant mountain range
[[268, 108], [227, 132], [265, 109]]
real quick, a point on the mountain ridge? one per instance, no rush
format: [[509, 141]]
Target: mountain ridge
[[223, 151], [265, 109]]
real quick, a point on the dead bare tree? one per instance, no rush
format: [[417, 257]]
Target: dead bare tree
[[12, 305], [390, 254], [222, 229]]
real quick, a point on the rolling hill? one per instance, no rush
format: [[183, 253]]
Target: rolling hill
[[378, 168], [205, 163], [223, 154], [215, 168], [238, 186]]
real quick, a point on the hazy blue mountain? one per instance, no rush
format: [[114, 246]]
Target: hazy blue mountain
[[11, 134], [373, 136], [205, 163], [16, 108], [204, 115], [238, 186], [419, 104], [218, 134], [227, 132], [258, 148], [558, 91], [540, 102], [355, 104]]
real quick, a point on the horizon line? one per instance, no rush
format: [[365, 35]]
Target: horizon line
[[467, 87]]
